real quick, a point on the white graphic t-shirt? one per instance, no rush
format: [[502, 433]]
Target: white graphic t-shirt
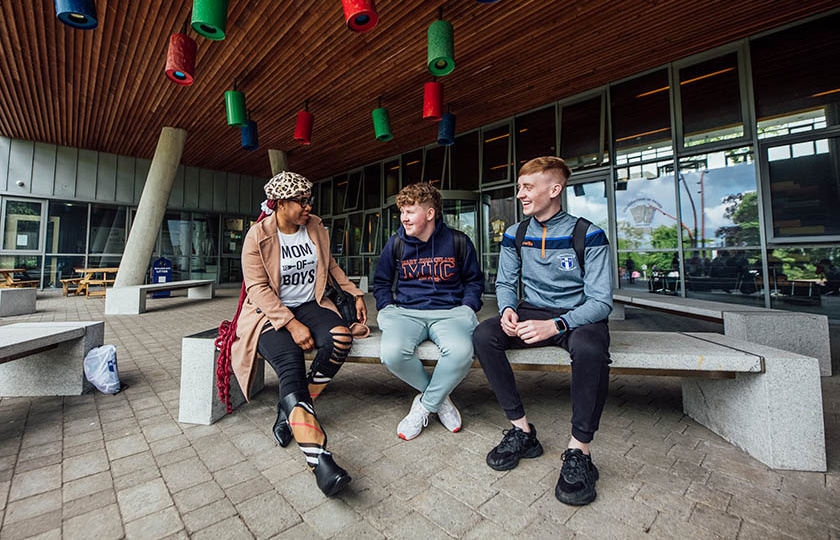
[[298, 261]]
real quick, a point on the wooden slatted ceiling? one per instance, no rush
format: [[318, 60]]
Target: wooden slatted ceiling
[[105, 89]]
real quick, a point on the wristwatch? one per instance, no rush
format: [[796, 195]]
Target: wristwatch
[[561, 325]]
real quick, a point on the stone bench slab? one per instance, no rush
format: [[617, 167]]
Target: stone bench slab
[[131, 300], [18, 301]]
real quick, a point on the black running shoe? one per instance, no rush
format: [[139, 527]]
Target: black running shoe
[[516, 444], [576, 485]]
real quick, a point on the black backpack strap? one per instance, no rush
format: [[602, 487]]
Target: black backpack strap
[[397, 250], [460, 240], [521, 229], [579, 241]]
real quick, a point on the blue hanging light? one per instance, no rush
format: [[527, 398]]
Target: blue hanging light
[[79, 14], [446, 130], [250, 141]]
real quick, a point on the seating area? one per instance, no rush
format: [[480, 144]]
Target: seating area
[[8, 279], [801, 333], [90, 282], [132, 300]]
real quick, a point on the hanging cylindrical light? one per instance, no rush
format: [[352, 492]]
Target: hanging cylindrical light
[[446, 130], [303, 125], [432, 100], [180, 59], [250, 141], [360, 15], [381, 124], [441, 48], [79, 14], [237, 114], [209, 18]]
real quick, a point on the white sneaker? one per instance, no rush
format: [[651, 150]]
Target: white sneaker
[[449, 416], [417, 418]]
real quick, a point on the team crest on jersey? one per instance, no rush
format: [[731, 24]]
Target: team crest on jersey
[[567, 262]]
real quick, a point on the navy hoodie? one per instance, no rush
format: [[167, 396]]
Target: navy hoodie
[[428, 274]]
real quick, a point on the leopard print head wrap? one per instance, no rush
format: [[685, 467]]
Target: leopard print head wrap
[[287, 185]]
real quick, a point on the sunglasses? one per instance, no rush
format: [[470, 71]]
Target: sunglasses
[[303, 201]]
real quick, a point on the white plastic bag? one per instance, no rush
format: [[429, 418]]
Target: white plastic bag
[[101, 369]]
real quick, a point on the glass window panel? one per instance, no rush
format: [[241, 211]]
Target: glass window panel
[[354, 236], [372, 187], [805, 279], [356, 266], [66, 228], [462, 215], [464, 158], [496, 158], [340, 183], [204, 268], [795, 78], [652, 271], [175, 235], [645, 206], [805, 189], [205, 247], [339, 236], [29, 264], [58, 268], [391, 223], [724, 275], [325, 200], [392, 178], [718, 199], [499, 214], [582, 135], [233, 235], [641, 118], [412, 167], [369, 233], [711, 101], [23, 225], [231, 270], [433, 171], [351, 199], [589, 200], [107, 229], [536, 135]]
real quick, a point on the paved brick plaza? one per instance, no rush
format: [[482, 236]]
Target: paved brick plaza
[[99, 466]]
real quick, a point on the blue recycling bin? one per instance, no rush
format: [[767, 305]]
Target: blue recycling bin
[[162, 273]]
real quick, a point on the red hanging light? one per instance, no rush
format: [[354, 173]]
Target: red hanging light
[[360, 15], [303, 126], [180, 59], [433, 101]]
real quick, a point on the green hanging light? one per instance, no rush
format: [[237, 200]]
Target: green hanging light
[[441, 48], [237, 114], [381, 123], [209, 18]]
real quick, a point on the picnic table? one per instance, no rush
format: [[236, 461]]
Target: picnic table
[[82, 284], [7, 278]]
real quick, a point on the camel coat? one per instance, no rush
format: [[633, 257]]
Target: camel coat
[[261, 272]]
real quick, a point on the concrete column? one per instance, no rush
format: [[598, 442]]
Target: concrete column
[[279, 161], [149, 215]]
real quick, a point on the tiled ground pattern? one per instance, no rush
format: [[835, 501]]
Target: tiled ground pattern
[[98, 466]]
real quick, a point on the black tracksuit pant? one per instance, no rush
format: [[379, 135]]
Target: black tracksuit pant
[[588, 346]]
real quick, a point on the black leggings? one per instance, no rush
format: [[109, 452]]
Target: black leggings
[[588, 346], [332, 340]]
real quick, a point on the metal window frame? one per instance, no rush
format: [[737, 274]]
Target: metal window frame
[[601, 91], [482, 130], [42, 228]]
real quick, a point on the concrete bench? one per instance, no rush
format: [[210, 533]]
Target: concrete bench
[[766, 401], [360, 281], [17, 301], [801, 333], [132, 300], [47, 358]]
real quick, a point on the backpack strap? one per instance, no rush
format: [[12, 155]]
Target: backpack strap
[[460, 240], [397, 250], [521, 229], [579, 241]]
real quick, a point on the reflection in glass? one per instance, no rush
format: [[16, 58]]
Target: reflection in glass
[[107, 229], [338, 239], [795, 80], [351, 197], [391, 223], [464, 158], [718, 199], [462, 215], [433, 172], [412, 168], [392, 178], [231, 270], [652, 271], [589, 200], [205, 248], [23, 225], [354, 235], [340, 183], [372, 187], [58, 268], [496, 158], [711, 101], [499, 214], [325, 199], [804, 190], [645, 208], [641, 118], [805, 279], [370, 232], [724, 275], [536, 136], [582, 139], [175, 235], [233, 235], [66, 228]]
